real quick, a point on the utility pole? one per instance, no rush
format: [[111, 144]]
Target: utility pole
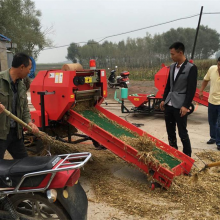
[[197, 31]]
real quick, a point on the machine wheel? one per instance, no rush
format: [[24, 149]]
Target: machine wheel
[[191, 109], [98, 145], [37, 206]]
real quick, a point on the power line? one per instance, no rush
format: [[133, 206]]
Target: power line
[[127, 32], [149, 27]]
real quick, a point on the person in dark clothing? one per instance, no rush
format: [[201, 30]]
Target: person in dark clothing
[[178, 95], [13, 97]]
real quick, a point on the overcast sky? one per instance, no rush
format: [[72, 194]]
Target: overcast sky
[[82, 20]]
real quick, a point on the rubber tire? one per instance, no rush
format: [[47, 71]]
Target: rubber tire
[[59, 210], [123, 85], [110, 85], [98, 145]]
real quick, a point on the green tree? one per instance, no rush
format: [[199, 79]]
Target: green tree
[[21, 22], [149, 51], [73, 53]]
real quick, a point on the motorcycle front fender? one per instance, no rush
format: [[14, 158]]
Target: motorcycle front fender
[[76, 203]]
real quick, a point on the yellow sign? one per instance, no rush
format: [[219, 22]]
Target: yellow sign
[[136, 99], [88, 79], [58, 77]]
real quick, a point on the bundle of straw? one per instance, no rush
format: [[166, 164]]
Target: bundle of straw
[[50, 144]]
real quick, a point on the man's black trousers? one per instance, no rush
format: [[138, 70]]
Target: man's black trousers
[[172, 118], [14, 145]]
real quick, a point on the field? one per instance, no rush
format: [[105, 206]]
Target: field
[[139, 73]]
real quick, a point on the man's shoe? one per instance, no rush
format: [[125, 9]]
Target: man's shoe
[[211, 141], [218, 147]]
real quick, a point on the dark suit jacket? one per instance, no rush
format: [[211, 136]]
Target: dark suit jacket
[[182, 90]]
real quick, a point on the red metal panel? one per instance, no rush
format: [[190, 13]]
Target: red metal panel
[[138, 100], [58, 81], [160, 81], [36, 118], [103, 80], [204, 100]]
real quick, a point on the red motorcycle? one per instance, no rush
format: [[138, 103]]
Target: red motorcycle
[[43, 188], [121, 81]]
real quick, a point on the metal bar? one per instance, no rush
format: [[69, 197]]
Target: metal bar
[[73, 166], [42, 111], [197, 31], [42, 94]]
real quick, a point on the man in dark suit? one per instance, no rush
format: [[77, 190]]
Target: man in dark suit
[[178, 95]]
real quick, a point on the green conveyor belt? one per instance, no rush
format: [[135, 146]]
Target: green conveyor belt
[[117, 131]]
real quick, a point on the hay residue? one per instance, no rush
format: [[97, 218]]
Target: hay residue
[[140, 143], [144, 146], [184, 200], [82, 106], [53, 146]]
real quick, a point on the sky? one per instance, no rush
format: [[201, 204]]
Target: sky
[[83, 20]]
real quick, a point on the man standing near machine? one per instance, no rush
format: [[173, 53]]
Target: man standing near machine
[[213, 75], [13, 97], [178, 95]]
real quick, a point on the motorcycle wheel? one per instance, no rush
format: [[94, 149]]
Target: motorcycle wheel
[[110, 85], [123, 85], [37, 206]]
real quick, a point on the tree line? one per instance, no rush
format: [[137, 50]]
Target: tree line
[[146, 52], [20, 21]]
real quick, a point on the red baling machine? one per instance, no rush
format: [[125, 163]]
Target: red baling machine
[[150, 103], [54, 93]]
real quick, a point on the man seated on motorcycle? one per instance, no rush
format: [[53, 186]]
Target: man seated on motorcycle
[[13, 97]]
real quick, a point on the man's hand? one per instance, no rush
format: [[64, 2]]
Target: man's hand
[[183, 111], [34, 127], [201, 94], [162, 106], [2, 108]]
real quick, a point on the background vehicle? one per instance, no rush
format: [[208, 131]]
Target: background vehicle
[[121, 81], [43, 188]]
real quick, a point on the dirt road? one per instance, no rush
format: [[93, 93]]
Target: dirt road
[[118, 191]]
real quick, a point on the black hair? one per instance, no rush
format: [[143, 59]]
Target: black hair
[[178, 46], [19, 59], [218, 59]]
